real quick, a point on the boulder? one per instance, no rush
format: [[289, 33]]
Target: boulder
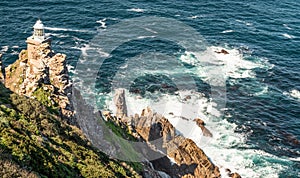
[[235, 175], [223, 51], [201, 124]]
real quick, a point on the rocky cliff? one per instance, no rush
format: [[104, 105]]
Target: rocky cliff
[[160, 135], [190, 160], [44, 78]]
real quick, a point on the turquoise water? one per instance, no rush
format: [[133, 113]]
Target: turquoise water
[[263, 102]]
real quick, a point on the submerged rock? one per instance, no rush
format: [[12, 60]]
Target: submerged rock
[[223, 51]]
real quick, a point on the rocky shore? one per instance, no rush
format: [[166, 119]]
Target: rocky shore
[[180, 157], [168, 154]]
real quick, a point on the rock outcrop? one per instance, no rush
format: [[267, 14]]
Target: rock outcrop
[[45, 77], [190, 160], [119, 100], [233, 175], [160, 135], [201, 124]]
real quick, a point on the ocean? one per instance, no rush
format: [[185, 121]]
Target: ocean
[[249, 98]]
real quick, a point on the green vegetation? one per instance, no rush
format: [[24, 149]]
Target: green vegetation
[[44, 97], [123, 136], [37, 143]]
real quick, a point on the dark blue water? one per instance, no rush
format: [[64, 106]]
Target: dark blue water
[[266, 108]]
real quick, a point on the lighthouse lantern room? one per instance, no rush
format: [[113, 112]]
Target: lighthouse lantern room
[[38, 38]]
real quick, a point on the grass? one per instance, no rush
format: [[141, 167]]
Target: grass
[[35, 142]]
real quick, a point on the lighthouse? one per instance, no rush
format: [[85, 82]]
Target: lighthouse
[[38, 38]]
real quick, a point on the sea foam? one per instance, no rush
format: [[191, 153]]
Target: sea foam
[[102, 22], [293, 93], [288, 36], [136, 10], [66, 29]]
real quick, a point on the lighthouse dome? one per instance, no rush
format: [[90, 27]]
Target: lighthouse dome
[[38, 25]]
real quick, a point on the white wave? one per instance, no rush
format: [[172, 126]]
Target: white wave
[[288, 36], [70, 67], [222, 147], [222, 152], [194, 17], [263, 91], [4, 49], [15, 47], [179, 110], [66, 29], [287, 27], [136, 10], [14, 52], [124, 66], [228, 61], [150, 30], [102, 22], [143, 37], [227, 31], [293, 93], [57, 35], [244, 22], [295, 159]]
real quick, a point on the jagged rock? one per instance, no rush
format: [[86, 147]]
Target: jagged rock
[[160, 136], [119, 100], [201, 124], [235, 175], [152, 126], [223, 51], [185, 152], [191, 161], [27, 76]]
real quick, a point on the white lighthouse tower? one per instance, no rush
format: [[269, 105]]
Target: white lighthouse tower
[[39, 32], [36, 39]]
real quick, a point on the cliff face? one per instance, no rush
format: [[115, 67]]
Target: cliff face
[[44, 76]]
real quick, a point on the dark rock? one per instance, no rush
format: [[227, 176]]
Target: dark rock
[[235, 175], [205, 131], [223, 51]]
